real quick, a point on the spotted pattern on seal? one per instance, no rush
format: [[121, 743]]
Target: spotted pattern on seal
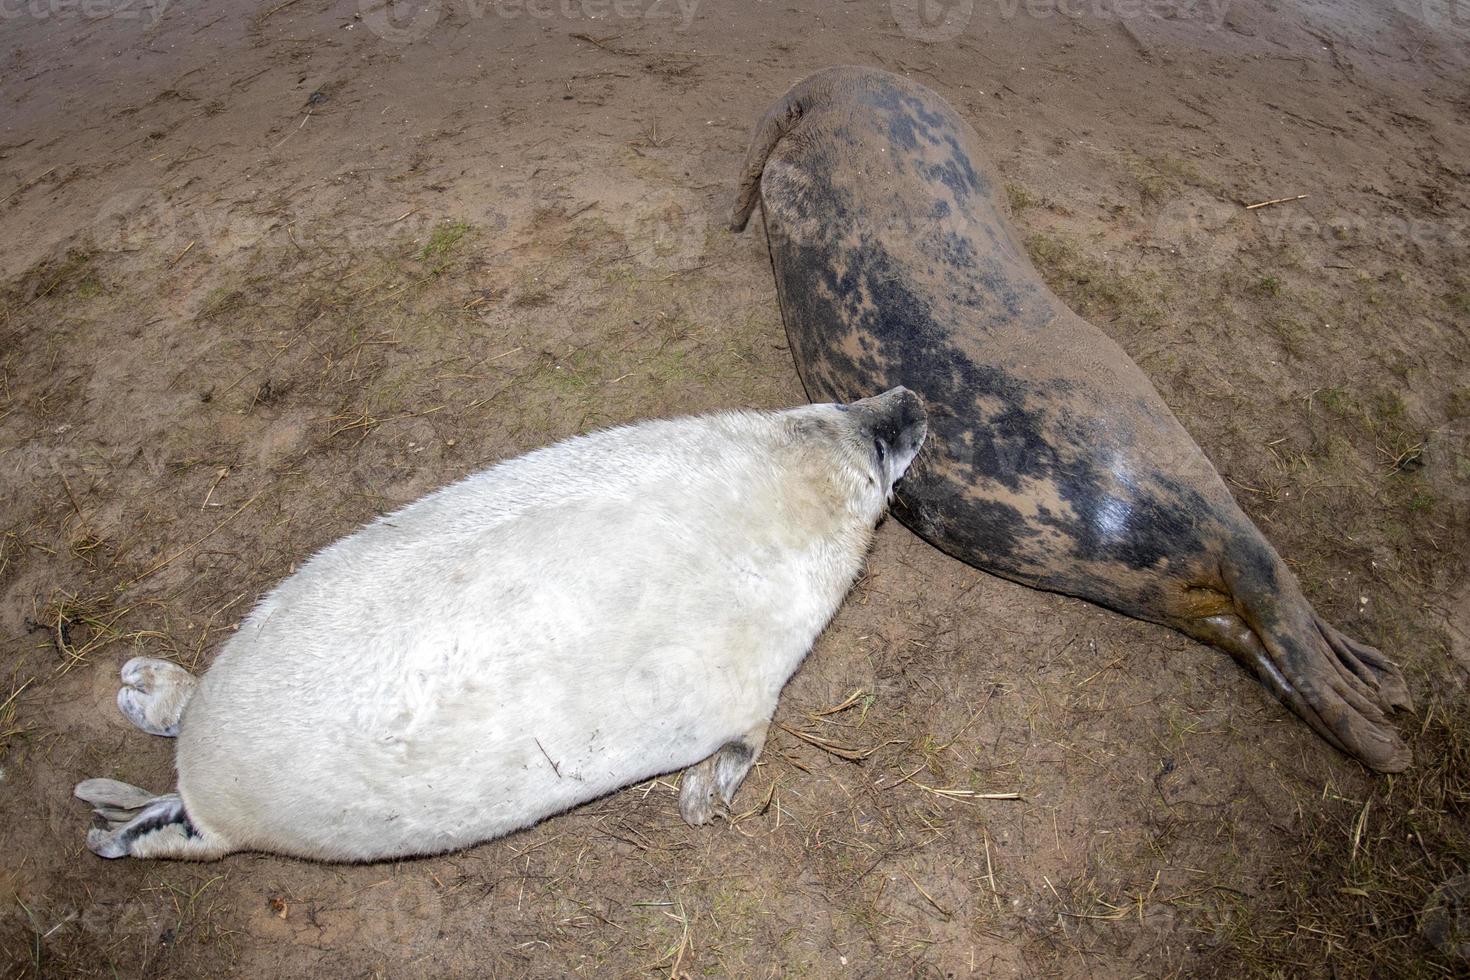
[[862, 317], [1051, 459]]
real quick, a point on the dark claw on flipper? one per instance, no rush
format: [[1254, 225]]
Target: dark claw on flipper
[[1370, 666]]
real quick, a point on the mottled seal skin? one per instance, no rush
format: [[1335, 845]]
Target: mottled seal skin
[[1051, 459]]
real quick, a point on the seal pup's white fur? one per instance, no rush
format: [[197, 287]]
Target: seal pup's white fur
[[616, 606]]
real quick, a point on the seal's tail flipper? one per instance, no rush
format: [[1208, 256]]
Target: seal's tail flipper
[[779, 120], [1342, 688], [134, 823], [775, 124]]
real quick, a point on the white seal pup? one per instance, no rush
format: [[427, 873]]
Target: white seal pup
[[587, 616]]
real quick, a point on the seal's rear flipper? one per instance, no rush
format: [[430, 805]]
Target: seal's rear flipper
[[134, 823], [154, 694], [1369, 665], [779, 120], [768, 132], [1342, 688]]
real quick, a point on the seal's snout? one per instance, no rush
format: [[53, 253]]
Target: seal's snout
[[896, 423], [898, 416]]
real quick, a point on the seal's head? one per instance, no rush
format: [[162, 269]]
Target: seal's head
[[861, 449], [891, 428]]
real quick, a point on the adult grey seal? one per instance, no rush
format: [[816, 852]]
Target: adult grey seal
[[1051, 459]]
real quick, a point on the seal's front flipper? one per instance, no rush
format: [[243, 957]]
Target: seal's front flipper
[[154, 694], [134, 823], [1255, 611], [708, 789]]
